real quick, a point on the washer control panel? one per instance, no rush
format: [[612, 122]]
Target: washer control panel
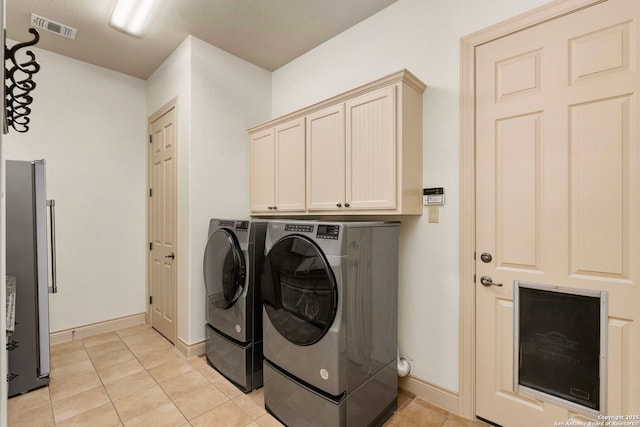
[[330, 232], [242, 225]]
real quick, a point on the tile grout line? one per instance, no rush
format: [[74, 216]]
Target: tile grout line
[[53, 415]]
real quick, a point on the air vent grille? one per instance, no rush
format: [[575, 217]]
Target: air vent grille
[[53, 26]]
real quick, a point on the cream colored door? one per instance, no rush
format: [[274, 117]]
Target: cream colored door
[[371, 150], [163, 224], [263, 178], [326, 159], [558, 193], [290, 166]]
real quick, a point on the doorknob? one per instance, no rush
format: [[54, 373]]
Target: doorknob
[[172, 256], [488, 281]]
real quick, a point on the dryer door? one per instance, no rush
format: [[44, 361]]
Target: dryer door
[[224, 269], [299, 290]]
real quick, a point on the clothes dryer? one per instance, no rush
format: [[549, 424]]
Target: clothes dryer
[[330, 322], [232, 263]]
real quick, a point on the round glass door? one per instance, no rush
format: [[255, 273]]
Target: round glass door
[[299, 290], [224, 269]]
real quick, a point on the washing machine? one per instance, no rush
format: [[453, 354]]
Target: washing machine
[[330, 309], [232, 264]]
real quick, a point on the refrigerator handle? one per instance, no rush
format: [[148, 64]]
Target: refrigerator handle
[[52, 230]]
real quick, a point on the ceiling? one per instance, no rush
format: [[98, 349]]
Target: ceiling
[[267, 33]]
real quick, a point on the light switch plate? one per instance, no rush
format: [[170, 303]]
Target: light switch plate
[[434, 214]]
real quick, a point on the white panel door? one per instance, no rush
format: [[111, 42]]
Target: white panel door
[[558, 193], [163, 230]]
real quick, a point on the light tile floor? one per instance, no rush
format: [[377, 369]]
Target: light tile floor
[[135, 377]]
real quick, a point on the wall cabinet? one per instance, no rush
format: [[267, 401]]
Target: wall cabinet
[[278, 168], [362, 153]]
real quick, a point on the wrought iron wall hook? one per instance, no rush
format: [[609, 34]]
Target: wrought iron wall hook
[[19, 83]]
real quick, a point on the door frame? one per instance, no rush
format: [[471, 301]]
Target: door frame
[[4, 386], [468, 44], [172, 104]]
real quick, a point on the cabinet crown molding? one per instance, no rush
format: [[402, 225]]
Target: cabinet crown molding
[[404, 76]]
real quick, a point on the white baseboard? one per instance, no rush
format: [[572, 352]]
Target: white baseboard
[[79, 332], [190, 350], [439, 396]]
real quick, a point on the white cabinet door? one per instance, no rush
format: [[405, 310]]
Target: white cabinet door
[[263, 171], [371, 150], [326, 159], [290, 166]]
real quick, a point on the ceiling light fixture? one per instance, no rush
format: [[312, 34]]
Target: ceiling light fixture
[[134, 16]]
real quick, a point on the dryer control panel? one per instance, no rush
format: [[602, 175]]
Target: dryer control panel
[[300, 228]]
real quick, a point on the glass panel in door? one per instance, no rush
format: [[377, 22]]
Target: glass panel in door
[[299, 290], [224, 269]]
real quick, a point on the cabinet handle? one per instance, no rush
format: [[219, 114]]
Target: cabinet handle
[[269, 207], [339, 205], [275, 207], [346, 205]]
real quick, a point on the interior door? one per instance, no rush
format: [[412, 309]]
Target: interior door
[[558, 193], [163, 224]]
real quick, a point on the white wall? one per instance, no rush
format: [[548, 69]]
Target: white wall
[[229, 95], [88, 123], [424, 37], [219, 98]]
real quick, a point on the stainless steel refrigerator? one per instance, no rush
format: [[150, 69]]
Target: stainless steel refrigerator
[[28, 262]]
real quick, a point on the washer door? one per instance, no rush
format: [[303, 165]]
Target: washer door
[[224, 269], [299, 290]]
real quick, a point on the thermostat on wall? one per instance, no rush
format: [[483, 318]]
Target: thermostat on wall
[[433, 196]]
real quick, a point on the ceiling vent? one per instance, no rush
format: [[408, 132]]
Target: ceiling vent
[[53, 26]]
